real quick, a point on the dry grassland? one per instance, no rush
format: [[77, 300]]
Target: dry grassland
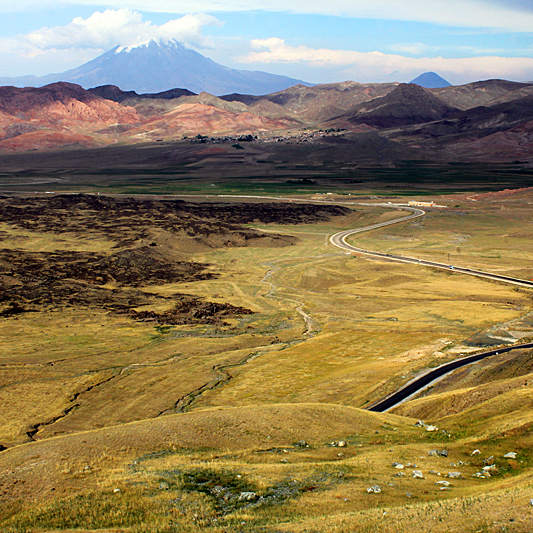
[[182, 419]]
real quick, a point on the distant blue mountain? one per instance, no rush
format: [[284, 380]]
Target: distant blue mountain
[[430, 80], [154, 67]]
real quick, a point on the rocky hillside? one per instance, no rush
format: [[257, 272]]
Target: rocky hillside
[[483, 120], [407, 104], [56, 115]]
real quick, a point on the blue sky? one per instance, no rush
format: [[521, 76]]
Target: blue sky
[[313, 40]]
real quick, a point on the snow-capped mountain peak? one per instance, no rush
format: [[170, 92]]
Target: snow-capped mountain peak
[[157, 65], [160, 42]]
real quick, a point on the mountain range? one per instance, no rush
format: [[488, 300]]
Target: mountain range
[[489, 120], [157, 66], [483, 120]]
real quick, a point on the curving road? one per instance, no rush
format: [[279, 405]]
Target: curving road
[[415, 386], [339, 240], [409, 390]]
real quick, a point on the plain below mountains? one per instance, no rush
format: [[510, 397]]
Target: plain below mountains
[[487, 121]]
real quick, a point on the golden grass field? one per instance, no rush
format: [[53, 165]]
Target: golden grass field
[[182, 419]]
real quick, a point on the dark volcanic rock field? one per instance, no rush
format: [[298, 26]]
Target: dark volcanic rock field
[[119, 280]]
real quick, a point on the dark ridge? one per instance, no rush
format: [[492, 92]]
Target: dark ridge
[[482, 120], [504, 84], [243, 98], [114, 93], [407, 104], [168, 95]]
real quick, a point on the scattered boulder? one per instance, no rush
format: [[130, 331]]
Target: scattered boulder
[[454, 475], [491, 469], [475, 452], [421, 424], [510, 455], [340, 444], [443, 482], [488, 461], [399, 466], [417, 474], [115, 491], [247, 497], [440, 453], [374, 489], [531, 502], [432, 428]]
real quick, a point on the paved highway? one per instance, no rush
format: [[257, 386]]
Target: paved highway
[[412, 388], [339, 240], [424, 381], [409, 390]]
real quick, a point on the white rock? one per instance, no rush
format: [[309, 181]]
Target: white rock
[[444, 483], [454, 474], [376, 489], [116, 490], [491, 469], [247, 497], [510, 455], [475, 452], [432, 428], [418, 474]]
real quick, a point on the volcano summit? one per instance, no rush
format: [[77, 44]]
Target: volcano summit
[[156, 66]]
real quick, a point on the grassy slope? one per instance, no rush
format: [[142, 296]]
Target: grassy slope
[[363, 344]]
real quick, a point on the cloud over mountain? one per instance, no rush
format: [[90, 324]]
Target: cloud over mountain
[[123, 26], [378, 66], [85, 38]]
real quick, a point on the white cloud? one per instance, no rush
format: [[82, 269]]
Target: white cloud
[[413, 48], [104, 30], [513, 15], [61, 47], [377, 66]]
